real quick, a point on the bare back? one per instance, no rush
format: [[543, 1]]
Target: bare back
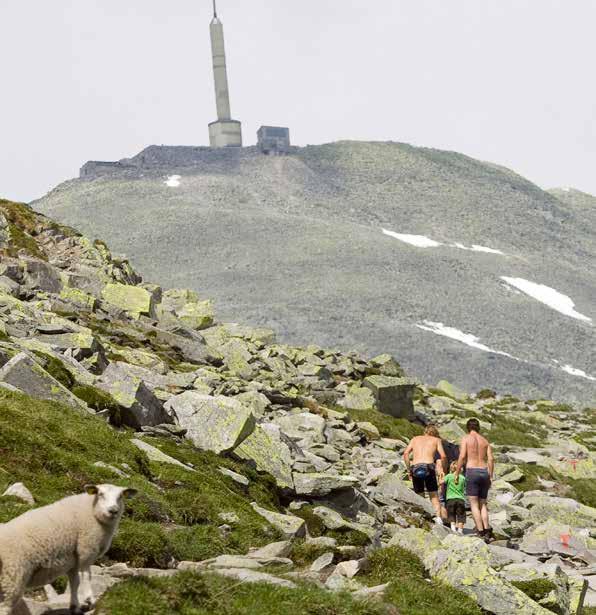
[[425, 448], [477, 450]]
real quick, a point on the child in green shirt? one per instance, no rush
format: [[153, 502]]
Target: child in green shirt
[[456, 500]]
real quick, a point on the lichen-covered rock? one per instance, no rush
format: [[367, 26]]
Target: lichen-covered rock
[[236, 356], [317, 484], [452, 390], [543, 507], [217, 424], [256, 401], [139, 406], [358, 398], [393, 396], [392, 490], [289, 525], [40, 275], [134, 300], [154, 454], [269, 453], [303, 427], [27, 376], [387, 365], [553, 537], [464, 563]]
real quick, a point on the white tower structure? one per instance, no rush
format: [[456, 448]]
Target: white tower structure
[[225, 132]]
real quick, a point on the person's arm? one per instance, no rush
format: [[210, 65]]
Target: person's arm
[[463, 454], [443, 457], [491, 461], [407, 453]]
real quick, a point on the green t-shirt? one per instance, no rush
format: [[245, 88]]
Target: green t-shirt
[[455, 492]]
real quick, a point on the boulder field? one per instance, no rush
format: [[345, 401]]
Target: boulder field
[[264, 465]]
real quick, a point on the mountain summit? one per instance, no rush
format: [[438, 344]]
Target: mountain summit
[[461, 268]]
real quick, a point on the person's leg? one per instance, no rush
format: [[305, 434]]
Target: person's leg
[[432, 486], [451, 515], [476, 514], [460, 513], [484, 514], [434, 500]]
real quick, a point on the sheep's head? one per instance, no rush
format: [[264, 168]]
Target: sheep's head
[[108, 503]]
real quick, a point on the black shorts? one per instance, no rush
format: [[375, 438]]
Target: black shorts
[[456, 511], [477, 483], [429, 483]]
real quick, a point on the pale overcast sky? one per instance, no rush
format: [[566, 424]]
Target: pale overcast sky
[[509, 81]]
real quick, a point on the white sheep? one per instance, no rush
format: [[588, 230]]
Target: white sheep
[[63, 538]]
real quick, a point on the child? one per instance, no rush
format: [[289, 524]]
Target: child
[[455, 497]]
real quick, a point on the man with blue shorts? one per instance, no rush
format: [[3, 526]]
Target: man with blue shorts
[[477, 456]]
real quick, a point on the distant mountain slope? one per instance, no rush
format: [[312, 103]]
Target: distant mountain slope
[[313, 245]]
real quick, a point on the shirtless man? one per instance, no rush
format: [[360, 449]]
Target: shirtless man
[[477, 455], [423, 470]]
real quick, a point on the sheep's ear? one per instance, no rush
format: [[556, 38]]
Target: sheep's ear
[[129, 493], [91, 489]]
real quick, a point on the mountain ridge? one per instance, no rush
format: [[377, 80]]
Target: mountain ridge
[[297, 243]]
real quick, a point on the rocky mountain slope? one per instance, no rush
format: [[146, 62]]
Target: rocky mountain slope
[[463, 269], [270, 476]]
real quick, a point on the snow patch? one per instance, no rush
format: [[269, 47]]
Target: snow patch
[[173, 181], [455, 334], [420, 241], [549, 296], [577, 372], [477, 248]]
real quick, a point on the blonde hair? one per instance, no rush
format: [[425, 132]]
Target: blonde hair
[[453, 466], [431, 430]]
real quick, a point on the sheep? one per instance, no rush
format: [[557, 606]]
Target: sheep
[[63, 538]]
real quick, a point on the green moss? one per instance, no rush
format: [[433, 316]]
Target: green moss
[[531, 474], [99, 400], [349, 537], [583, 490], [535, 589], [141, 545], [19, 240], [505, 430], [189, 593], [388, 426], [410, 590], [486, 394], [56, 369]]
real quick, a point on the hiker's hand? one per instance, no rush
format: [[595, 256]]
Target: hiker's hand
[[456, 478]]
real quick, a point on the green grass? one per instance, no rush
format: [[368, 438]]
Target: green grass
[[52, 450], [388, 426], [190, 593], [582, 490], [410, 590], [535, 589], [511, 432]]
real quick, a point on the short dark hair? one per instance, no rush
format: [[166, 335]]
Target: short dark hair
[[473, 425]]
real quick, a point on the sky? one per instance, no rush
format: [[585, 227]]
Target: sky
[[507, 81]]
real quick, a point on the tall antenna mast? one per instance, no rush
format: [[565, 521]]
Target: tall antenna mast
[[214, 10]]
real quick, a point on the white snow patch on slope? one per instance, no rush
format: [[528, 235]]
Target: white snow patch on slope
[[173, 181], [477, 248], [549, 296], [577, 372], [420, 241], [455, 334]]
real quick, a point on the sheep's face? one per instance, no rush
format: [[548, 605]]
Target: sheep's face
[[108, 504]]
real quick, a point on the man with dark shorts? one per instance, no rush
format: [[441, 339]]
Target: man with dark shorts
[[423, 470], [477, 455]]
